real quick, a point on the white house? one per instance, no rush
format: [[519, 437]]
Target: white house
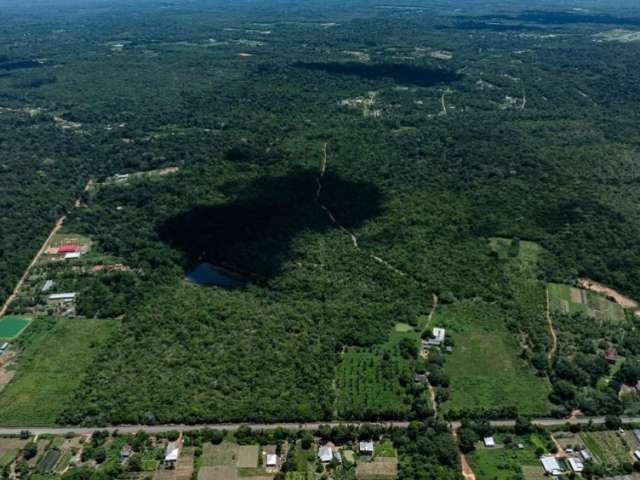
[[325, 454], [586, 456], [439, 334], [550, 465], [576, 465], [489, 442], [366, 447], [171, 453], [272, 460]]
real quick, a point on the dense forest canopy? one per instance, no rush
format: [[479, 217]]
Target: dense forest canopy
[[348, 162]]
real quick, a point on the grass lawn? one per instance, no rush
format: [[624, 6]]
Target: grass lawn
[[50, 369], [403, 327], [504, 463], [9, 456], [12, 325], [484, 369], [224, 454], [248, 456], [385, 449]]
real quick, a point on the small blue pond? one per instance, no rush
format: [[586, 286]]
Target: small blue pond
[[207, 274]]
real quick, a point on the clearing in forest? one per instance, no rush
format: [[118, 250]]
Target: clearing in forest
[[50, 369], [380, 468], [566, 299], [485, 370], [13, 325]]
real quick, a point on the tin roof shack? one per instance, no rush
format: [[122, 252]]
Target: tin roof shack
[[489, 442], [270, 458], [171, 454], [366, 447], [325, 454], [550, 465], [576, 465], [62, 297]]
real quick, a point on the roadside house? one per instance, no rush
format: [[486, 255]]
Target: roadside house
[[325, 454], [171, 454], [366, 447]]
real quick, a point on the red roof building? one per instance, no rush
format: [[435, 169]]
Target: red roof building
[[611, 356], [68, 248]]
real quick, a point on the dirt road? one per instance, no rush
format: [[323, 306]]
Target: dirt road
[[554, 338], [16, 290]]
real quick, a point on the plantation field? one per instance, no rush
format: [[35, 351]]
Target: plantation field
[[12, 325], [367, 381], [380, 468], [570, 300], [607, 447], [527, 252], [484, 369], [51, 368]]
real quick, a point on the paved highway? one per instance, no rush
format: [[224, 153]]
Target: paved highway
[[543, 422]]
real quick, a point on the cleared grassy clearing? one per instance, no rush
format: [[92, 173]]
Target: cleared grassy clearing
[[484, 368], [505, 463], [224, 454], [248, 456], [50, 369], [380, 468]]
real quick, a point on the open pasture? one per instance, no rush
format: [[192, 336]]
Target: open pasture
[[566, 299], [505, 463], [485, 370], [50, 368]]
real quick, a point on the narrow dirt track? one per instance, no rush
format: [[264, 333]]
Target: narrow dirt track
[[16, 291], [554, 338]]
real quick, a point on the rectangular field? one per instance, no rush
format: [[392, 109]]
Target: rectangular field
[[12, 325], [224, 454], [566, 299], [50, 368], [607, 447], [248, 456], [367, 381], [378, 469], [484, 369]]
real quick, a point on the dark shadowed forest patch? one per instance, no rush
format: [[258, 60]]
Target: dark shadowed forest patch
[[253, 234], [422, 76]]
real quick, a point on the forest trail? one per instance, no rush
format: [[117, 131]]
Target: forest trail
[[524, 101], [16, 291], [444, 104], [554, 338]]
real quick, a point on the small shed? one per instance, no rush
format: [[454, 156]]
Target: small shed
[[489, 442], [4, 346], [611, 356], [637, 455], [125, 453], [586, 456], [421, 378], [72, 255], [47, 286]]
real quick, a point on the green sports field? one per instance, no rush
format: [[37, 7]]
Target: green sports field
[[11, 326]]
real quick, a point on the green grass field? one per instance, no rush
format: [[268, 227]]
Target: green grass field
[[504, 463], [484, 370], [50, 369], [12, 325], [570, 300]]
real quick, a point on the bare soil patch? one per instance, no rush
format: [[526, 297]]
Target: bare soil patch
[[620, 299]]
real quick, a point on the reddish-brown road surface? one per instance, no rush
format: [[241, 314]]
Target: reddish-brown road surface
[[16, 290]]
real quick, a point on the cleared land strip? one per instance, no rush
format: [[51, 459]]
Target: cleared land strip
[[16, 290], [542, 422]]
